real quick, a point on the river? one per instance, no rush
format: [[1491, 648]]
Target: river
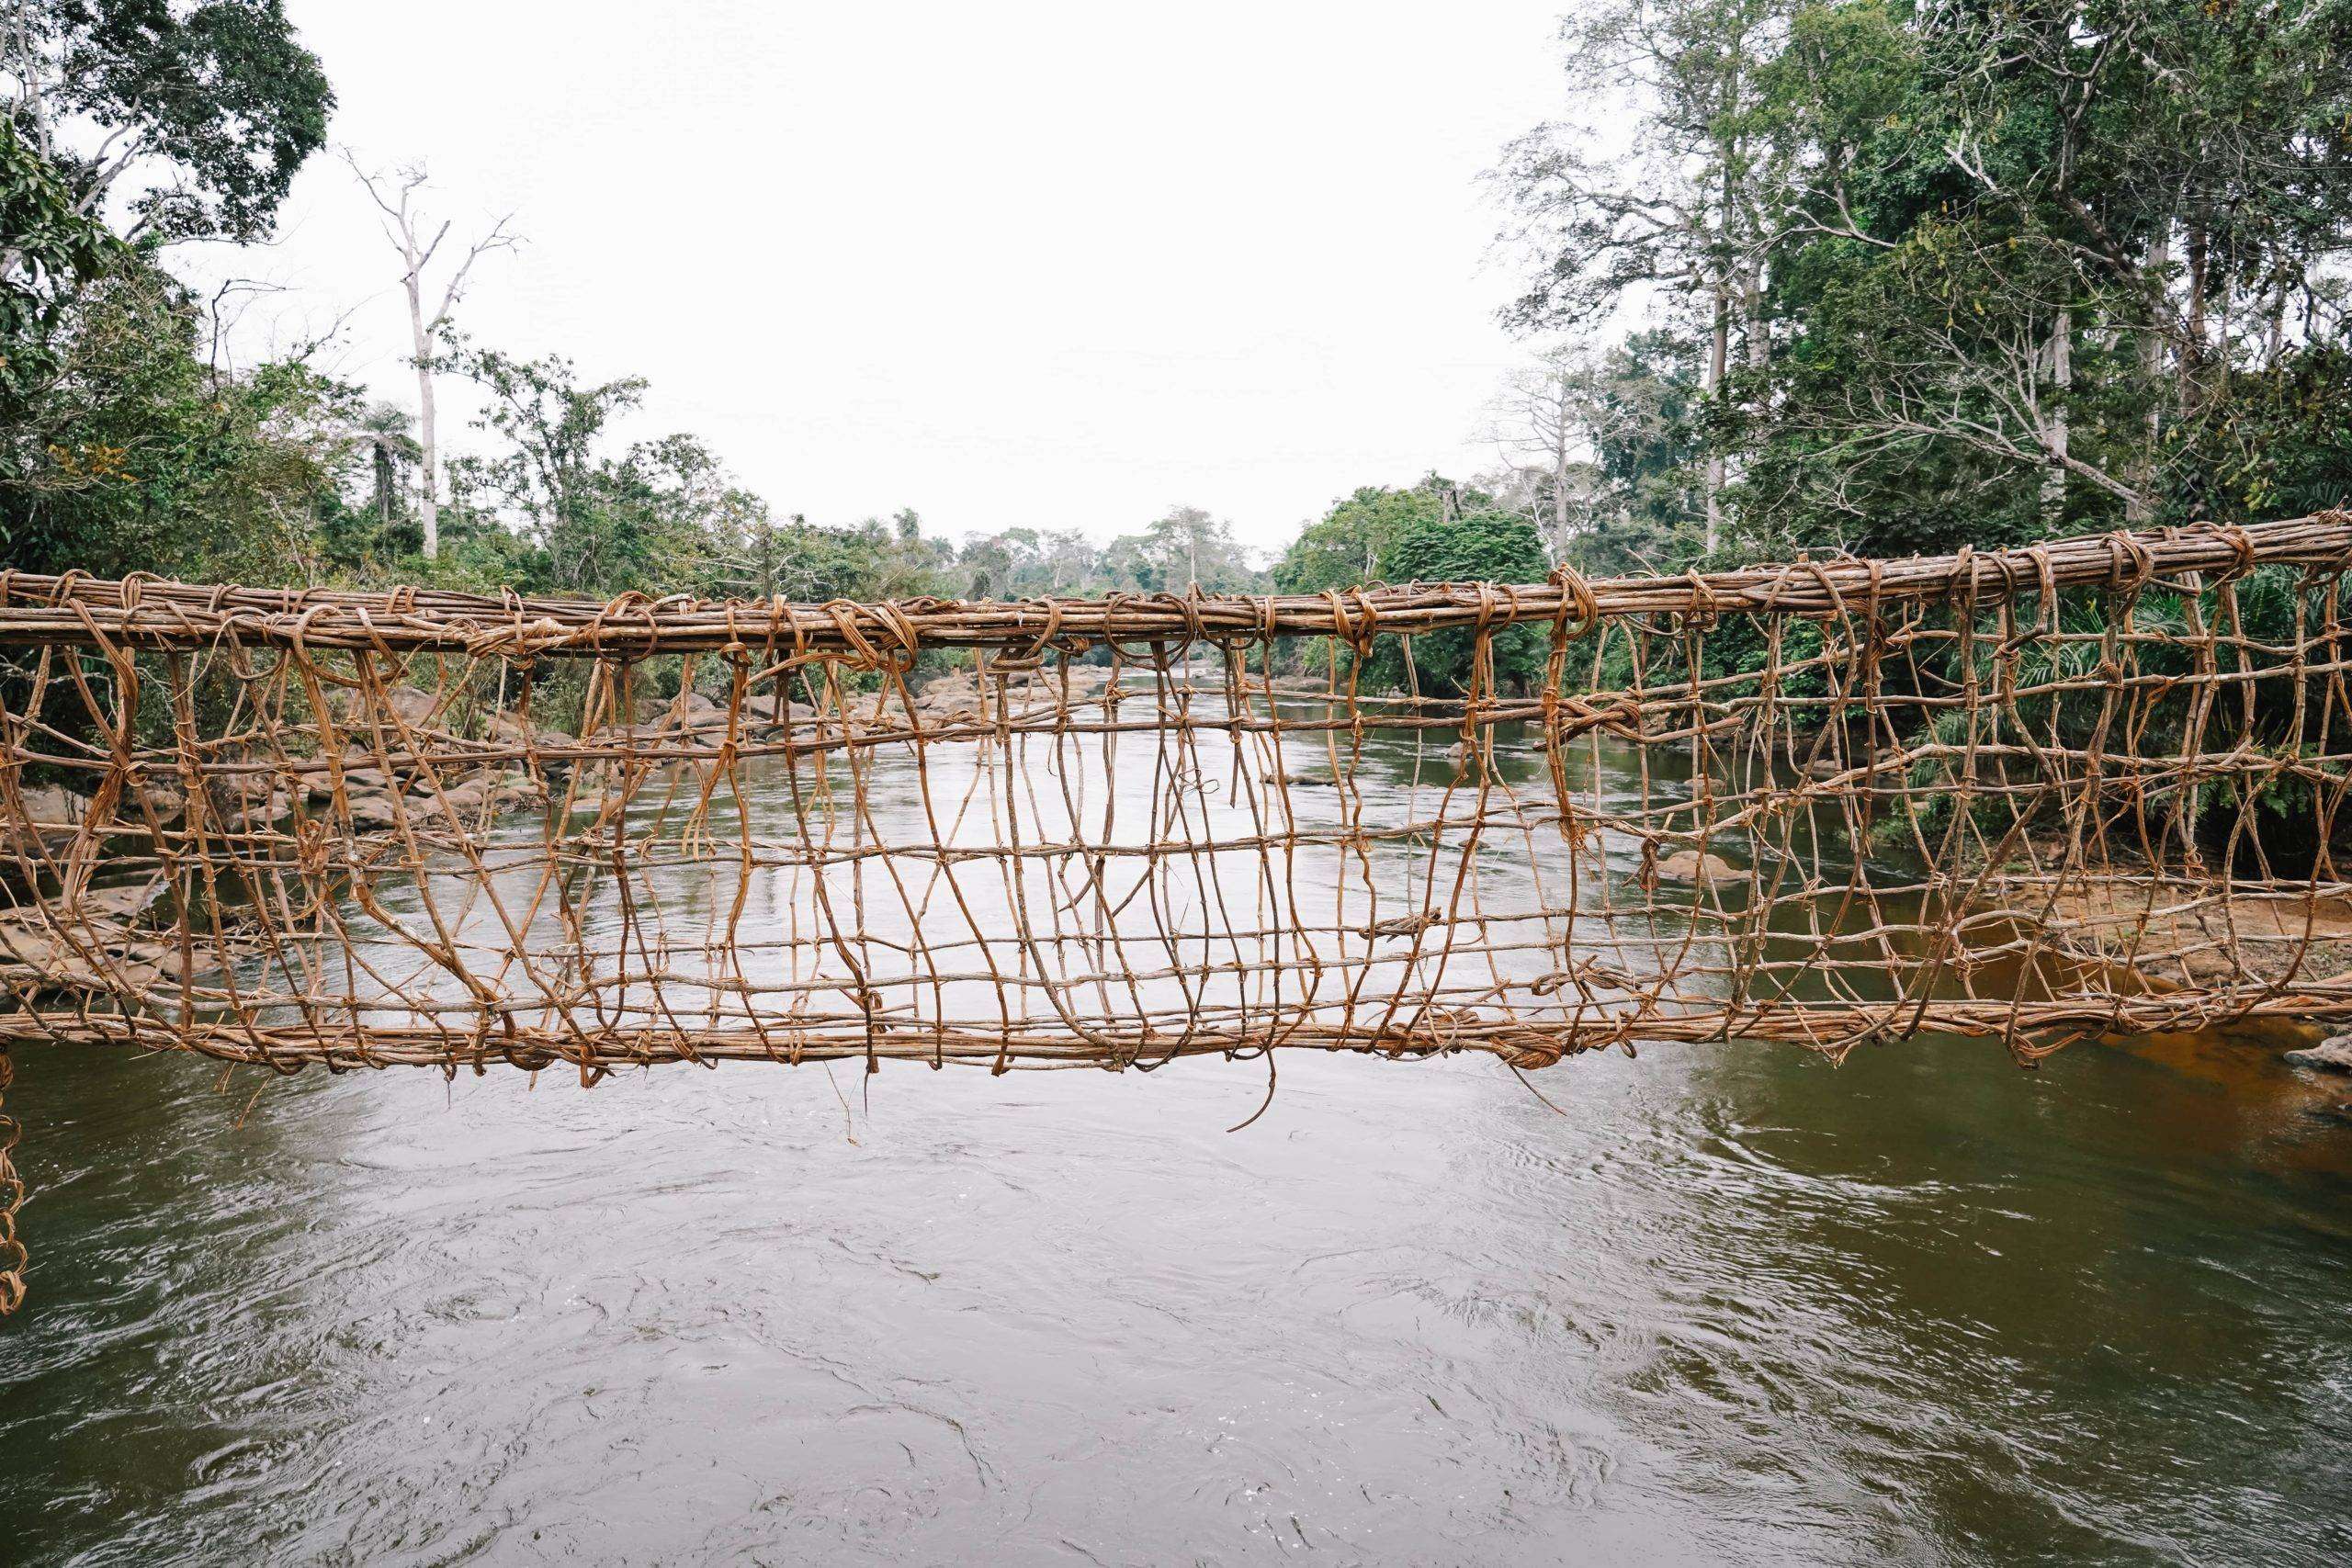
[[1721, 1302]]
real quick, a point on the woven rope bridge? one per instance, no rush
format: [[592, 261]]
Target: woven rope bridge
[[2083, 787]]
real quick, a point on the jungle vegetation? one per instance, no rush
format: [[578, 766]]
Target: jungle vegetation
[[1867, 275]]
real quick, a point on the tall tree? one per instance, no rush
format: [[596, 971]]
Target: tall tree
[[191, 120], [1470, 547], [1974, 269], [1346, 546], [1547, 423], [1689, 208], [406, 226], [383, 434], [125, 442], [139, 453], [1183, 549], [571, 496], [54, 250], [2055, 257]]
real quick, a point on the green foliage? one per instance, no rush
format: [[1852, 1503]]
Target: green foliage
[[52, 250], [1186, 548], [597, 520], [1646, 431], [221, 91], [122, 446], [1490, 547], [1978, 273], [1355, 542], [138, 455], [1345, 546], [867, 560]]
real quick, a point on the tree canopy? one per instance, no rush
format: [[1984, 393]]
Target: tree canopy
[[1978, 271], [1475, 546], [201, 113]]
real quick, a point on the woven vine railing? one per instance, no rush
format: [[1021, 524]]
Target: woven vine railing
[[2085, 788]]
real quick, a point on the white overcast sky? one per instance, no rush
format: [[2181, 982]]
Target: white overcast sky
[[1024, 264]]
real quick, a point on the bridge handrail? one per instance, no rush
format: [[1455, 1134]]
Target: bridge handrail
[[153, 612]]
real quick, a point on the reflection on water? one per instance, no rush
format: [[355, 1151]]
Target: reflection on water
[[1724, 1301]]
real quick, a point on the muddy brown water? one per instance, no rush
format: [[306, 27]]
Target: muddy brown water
[[1724, 1302]]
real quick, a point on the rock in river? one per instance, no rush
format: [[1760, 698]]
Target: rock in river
[[1695, 865], [2333, 1055]]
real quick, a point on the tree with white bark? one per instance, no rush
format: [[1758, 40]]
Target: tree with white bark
[[1687, 213], [1546, 422], [418, 241]]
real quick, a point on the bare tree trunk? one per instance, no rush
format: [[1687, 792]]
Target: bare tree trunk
[[2056, 430], [384, 485], [1758, 344], [2193, 352], [1750, 291], [1560, 438], [2274, 332], [404, 226], [428, 474], [1718, 364], [2141, 510]]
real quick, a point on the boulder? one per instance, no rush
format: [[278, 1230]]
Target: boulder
[[372, 808], [1695, 865], [117, 905], [695, 712], [54, 806], [167, 801], [496, 790], [511, 790], [2333, 1055], [97, 952], [964, 709], [466, 799], [249, 803], [957, 686], [53, 817], [362, 780], [635, 737], [414, 708], [134, 963], [470, 797], [508, 730], [408, 703], [401, 705]]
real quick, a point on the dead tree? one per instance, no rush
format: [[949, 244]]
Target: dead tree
[[404, 225]]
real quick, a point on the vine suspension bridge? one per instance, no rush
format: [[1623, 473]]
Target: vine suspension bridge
[[2082, 787]]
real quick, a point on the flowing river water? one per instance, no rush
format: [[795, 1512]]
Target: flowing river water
[[1721, 1302]]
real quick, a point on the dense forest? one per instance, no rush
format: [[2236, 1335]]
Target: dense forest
[[1865, 274]]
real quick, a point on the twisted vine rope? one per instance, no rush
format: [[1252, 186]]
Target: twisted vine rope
[[12, 1198], [2082, 787]]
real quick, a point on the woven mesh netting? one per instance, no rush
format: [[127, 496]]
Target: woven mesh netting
[[2082, 787]]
